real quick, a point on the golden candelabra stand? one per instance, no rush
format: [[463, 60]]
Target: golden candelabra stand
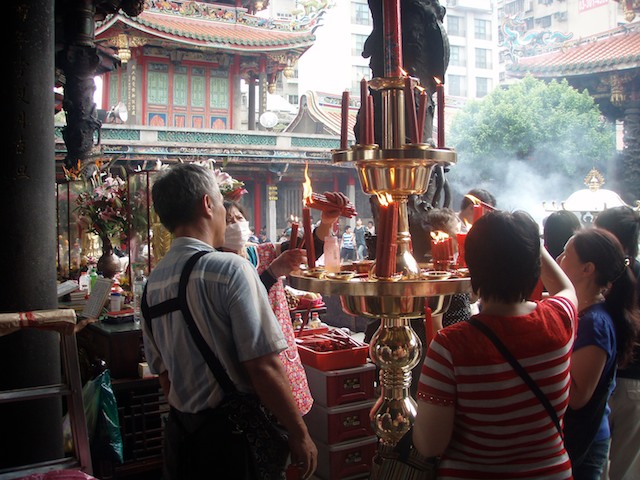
[[399, 170]]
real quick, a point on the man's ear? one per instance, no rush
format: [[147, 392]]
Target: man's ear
[[206, 203]]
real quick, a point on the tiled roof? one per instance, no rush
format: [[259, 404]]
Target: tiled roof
[[223, 29], [327, 109], [616, 49]]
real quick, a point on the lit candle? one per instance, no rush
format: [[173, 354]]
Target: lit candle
[[344, 119], [422, 113], [293, 238], [392, 38], [461, 237], [308, 238], [364, 111], [410, 107], [440, 100], [387, 231]]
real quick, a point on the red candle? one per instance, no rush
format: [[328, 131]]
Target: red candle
[[308, 238], [422, 114], [450, 250], [386, 247], [461, 237], [370, 122], [440, 99], [410, 107], [392, 38], [381, 240], [436, 251], [344, 119], [293, 238], [478, 211], [364, 111], [393, 234]]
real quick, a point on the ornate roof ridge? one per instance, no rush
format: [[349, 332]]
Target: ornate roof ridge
[[225, 14], [615, 48], [596, 37]]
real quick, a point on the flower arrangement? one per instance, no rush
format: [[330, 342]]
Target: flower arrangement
[[230, 188], [104, 210]]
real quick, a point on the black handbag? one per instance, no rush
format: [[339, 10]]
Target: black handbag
[[403, 462], [267, 441]]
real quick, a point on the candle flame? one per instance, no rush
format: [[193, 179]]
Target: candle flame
[[421, 89], [437, 80], [404, 72], [467, 223], [439, 236], [384, 198], [307, 191]]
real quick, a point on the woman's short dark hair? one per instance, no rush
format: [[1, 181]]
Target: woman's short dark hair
[[178, 191], [624, 223], [502, 251], [558, 228]]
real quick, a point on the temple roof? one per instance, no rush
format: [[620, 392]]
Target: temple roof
[[614, 50], [324, 109], [212, 26]]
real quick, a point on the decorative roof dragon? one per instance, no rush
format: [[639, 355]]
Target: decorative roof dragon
[[519, 42]]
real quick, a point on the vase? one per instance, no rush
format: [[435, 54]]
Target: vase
[[109, 263]]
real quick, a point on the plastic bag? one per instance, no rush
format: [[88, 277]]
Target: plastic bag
[[103, 423]]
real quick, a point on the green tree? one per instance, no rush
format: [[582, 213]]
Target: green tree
[[550, 127]]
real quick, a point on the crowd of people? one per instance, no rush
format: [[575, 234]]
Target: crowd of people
[[515, 387]]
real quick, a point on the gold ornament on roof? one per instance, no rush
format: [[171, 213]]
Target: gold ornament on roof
[[594, 180]]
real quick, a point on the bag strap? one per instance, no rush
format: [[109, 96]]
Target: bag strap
[[180, 303], [520, 371], [214, 364]]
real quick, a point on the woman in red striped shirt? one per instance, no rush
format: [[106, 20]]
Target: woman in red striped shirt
[[474, 410]]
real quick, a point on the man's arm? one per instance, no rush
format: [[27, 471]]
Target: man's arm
[[270, 382], [165, 383]]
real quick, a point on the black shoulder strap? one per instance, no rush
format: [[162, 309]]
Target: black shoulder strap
[[214, 364], [520, 371], [180, 303]]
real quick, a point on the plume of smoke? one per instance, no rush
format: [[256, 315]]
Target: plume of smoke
[[516, 186]]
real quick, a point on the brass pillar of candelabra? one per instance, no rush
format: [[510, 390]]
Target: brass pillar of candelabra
[[394, 169], [398, 170]]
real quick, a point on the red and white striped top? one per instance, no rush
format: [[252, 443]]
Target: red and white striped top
[[501, 430]]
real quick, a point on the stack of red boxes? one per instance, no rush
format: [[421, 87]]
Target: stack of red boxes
[[339, 420]]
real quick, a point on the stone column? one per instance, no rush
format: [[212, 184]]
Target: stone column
[[236, 99], [32, 431], [262, 88], [251, 104]]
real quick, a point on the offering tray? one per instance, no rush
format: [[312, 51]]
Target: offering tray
[[373, 298]]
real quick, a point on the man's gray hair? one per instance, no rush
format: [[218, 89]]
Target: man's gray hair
[[178, 190]]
